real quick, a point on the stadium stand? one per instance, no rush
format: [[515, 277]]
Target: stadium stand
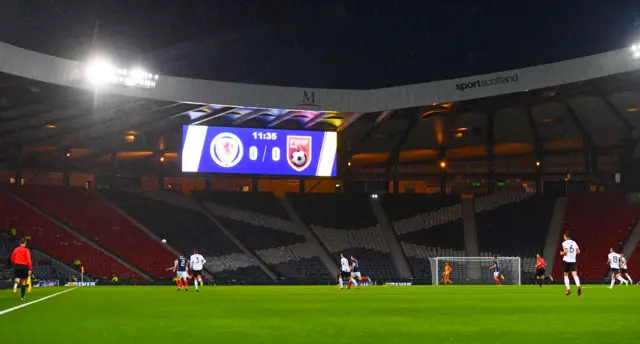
[[633, 263], [186, 229], [335, 210], [444, 240], [515, 229], [346, 223], [6, 271], [485, 136], [409, 213], [58, 242], [251, 275], [44, 267], [597, 221], [259, 237], [304, 271], [275, 241], [404, 206], [297, 264], [262, 203], [99, 222]]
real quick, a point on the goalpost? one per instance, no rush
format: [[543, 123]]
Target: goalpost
[[475, 270]]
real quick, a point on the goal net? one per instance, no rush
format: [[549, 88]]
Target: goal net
[[475, 270]]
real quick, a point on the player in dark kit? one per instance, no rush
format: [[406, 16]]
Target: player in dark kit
[[22, 267], [496, 270], [355, 273], [180, 268]]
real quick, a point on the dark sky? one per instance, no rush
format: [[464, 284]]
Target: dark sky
[[332, 43]]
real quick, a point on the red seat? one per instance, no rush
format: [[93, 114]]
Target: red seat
[[58, 242], [597, 221], [101, 223]]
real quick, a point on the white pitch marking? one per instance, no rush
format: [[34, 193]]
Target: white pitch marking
[[34, 301]]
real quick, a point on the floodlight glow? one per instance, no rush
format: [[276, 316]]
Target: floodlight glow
[[138, 77], [635, 51], [101, 72]]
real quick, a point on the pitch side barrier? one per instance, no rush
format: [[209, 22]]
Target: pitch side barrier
[[225, 282]]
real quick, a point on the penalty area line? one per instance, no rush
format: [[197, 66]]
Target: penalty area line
[[8, 310]]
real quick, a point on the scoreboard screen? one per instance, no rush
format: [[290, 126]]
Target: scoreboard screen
[[259, 151]]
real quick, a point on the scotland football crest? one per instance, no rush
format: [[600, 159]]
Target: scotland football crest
[[299, 152], [226, 150]]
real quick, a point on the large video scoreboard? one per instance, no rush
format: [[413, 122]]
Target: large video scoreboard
[[259, 151]]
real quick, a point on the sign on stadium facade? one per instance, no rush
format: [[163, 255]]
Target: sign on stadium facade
[[50, 69]]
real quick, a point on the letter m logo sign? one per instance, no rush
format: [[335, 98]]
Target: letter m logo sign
[[309, 98]]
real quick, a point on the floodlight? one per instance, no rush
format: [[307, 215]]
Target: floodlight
[[140, 78], [101, 72], [635, 51]]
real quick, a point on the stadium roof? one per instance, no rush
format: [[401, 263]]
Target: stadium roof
[[46, 105], [28, 64]]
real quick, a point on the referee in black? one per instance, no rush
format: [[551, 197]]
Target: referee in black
[[22, 266]]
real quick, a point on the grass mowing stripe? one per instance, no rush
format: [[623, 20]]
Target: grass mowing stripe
[[34, 301]]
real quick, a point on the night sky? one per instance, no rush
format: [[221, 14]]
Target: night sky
[[333, 43]]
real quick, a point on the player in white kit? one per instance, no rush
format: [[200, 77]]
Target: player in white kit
[[569, 252], [623, 268], [345, 270], [196, 263], [614, 263]]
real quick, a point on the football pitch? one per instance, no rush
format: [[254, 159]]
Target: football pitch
[[416, 314]]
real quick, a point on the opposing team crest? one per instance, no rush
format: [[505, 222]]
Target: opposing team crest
[[299, 152], [226, 150]]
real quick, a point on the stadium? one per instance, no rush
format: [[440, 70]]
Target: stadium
[[114, 172]]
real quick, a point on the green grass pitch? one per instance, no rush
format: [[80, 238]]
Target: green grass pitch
[[459, 314]]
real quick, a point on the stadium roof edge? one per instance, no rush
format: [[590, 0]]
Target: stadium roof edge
[[55, 70]]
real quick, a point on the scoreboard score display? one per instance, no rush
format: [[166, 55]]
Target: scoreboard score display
[[259, 151]]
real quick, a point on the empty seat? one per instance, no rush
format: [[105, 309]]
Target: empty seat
[[58, 242], [102, 224], [597, 222], [262, 203], [403, 206], [515, 229]]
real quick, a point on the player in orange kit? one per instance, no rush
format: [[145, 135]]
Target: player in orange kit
[[447, 274], [540, 269], [22, 266]]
